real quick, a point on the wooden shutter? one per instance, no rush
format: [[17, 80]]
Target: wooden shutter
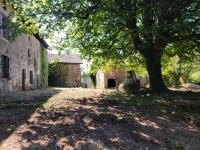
[[10, 68]]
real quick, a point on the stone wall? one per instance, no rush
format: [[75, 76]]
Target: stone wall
[[24, 53], [116, 76], [100, 80], [74, 75], [19, 62]]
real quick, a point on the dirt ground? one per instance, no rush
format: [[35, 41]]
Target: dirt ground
[[82, 119]]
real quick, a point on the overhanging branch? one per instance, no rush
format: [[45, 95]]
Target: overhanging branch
[[186, 37]]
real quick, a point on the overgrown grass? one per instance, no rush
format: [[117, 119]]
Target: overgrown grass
[[182, 105], [172, 145], [17, 103]]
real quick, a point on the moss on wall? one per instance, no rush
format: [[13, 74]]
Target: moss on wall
[[43, 67]]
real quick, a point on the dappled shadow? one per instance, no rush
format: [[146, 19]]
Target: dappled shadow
[[82, 129], [73, 120], [17, 107], [178, 105]]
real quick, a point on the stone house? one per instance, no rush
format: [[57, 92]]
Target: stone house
[[111, 78], [23, 62], [71, 68]]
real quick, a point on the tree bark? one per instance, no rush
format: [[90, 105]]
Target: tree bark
[[153, 64], [177, 80]]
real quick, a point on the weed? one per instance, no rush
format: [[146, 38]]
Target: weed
[[119, 118], [185, 105], [172, 145], [68, 107], [17, 105]]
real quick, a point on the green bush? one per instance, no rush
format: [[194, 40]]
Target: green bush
[[195, 78], [167, 80], [172, 145], [58, 74]]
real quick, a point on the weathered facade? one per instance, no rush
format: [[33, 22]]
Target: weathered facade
[[111, 78], [23, 62], [70, 68], [114, 77]]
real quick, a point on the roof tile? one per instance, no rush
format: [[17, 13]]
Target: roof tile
[[66, 58]]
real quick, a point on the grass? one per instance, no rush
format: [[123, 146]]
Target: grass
[[17, 103], [172, 145], [184, 106]]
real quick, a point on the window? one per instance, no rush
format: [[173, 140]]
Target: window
[[29, 54], [31, 77], [3, 31], [5, 66]]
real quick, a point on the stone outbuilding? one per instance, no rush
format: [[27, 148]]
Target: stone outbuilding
[[111, 78], [70, 68], [23, 62]]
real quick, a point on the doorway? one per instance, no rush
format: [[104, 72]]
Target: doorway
[[111, 83], [23, 79]]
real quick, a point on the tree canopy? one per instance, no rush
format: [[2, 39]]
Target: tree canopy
[[118, 30]]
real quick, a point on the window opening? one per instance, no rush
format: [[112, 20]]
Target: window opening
[[5, 66], [111, 83], [29, 54], [31, 77]]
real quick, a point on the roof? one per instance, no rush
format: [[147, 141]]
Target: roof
[[66, 58], [42, 41]]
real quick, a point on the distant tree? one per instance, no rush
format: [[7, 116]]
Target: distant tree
[[116, 29], [180, 60]]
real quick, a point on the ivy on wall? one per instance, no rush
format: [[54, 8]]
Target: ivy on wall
[[43, 67], [58, 74]]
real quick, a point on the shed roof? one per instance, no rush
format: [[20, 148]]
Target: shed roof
[[66, 58]]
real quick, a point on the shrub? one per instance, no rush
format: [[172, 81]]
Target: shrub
[[58, 74], [195, 78]]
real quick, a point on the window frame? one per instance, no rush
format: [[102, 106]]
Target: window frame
[[5, 67], [4, 32]]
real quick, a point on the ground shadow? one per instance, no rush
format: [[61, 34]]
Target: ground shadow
[[17, 107], [103, 122]]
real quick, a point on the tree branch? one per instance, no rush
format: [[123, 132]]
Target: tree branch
[[186, 37]]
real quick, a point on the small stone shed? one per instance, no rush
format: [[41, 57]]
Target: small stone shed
[[111, 78], [72, 64]]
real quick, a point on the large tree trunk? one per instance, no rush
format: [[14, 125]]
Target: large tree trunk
[[152, 54], [153, 64]]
